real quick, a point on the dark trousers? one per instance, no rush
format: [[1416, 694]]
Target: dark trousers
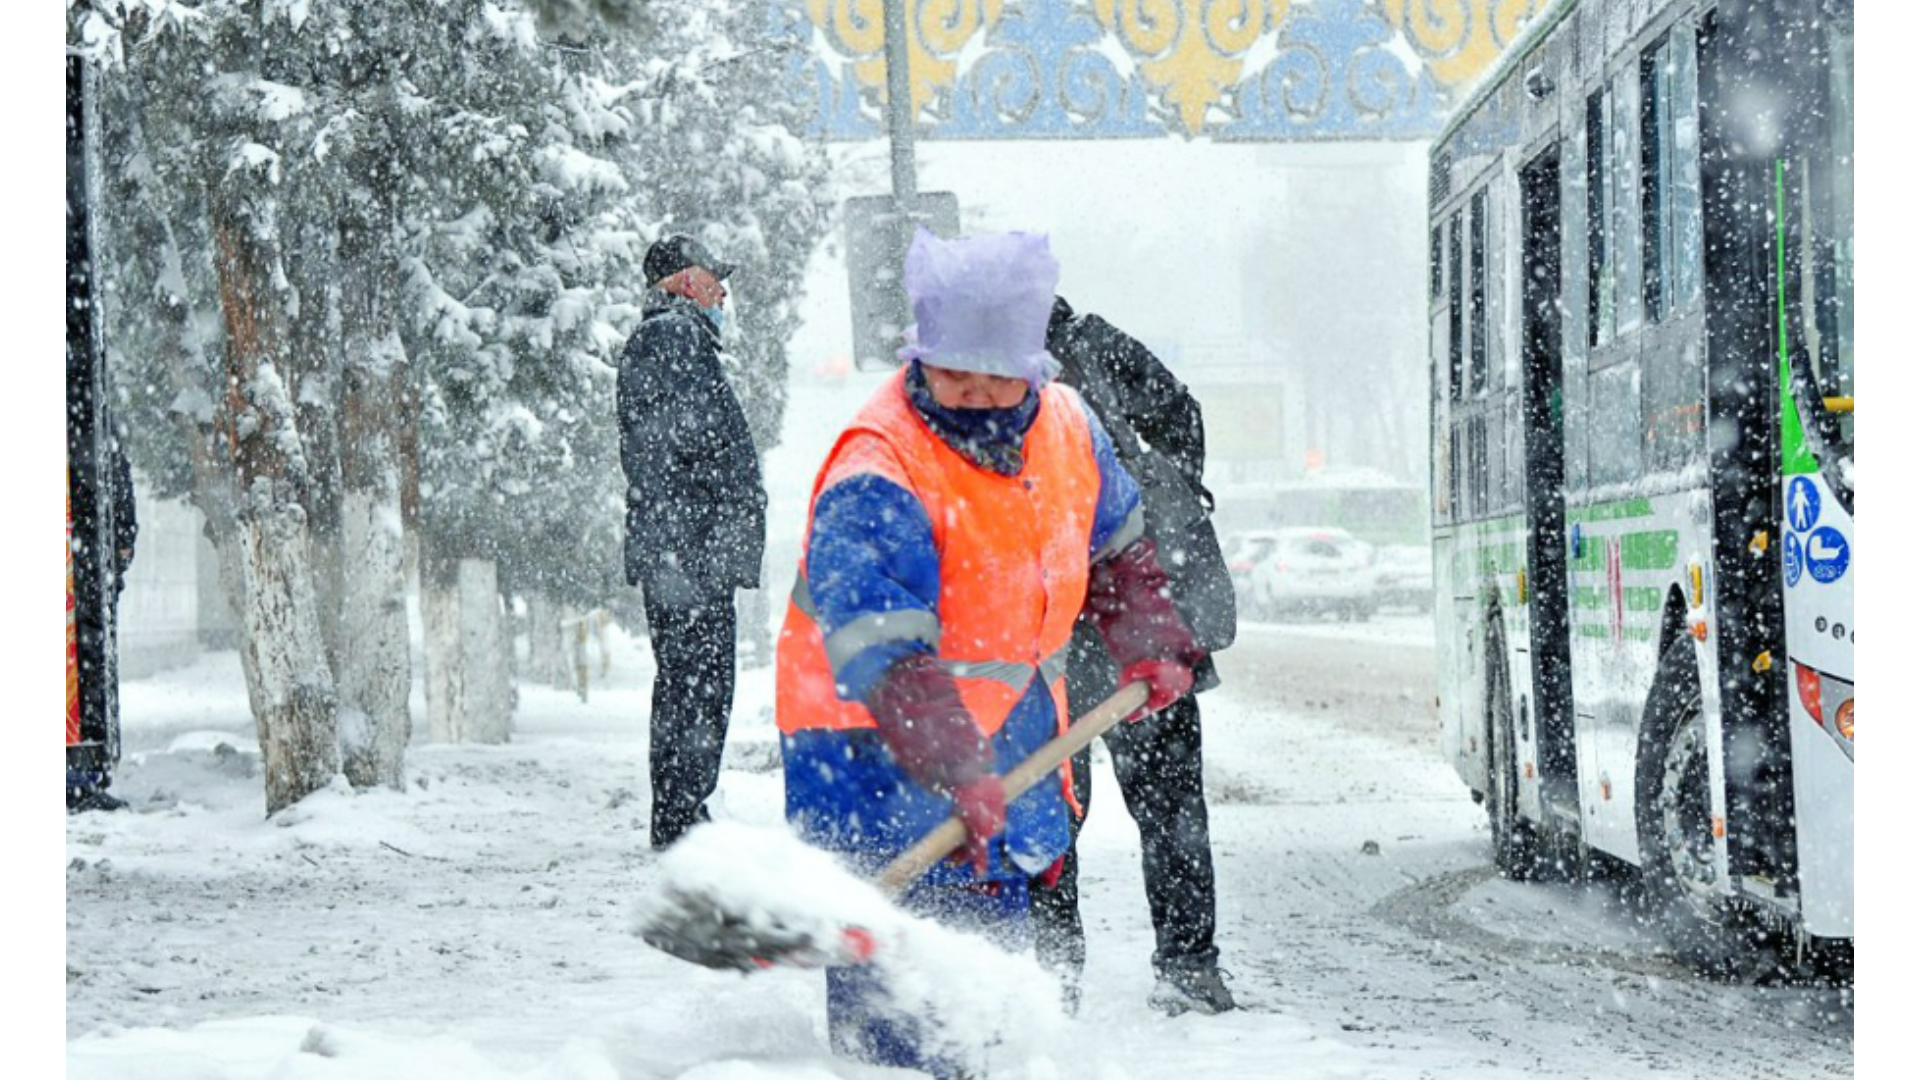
[[692, 702], [1157, 763]]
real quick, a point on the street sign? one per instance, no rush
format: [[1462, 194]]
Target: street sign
[[877, 240]]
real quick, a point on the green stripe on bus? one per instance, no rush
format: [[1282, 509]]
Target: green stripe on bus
[[1611, 511], [1658, 549], [1796, 458], [1649, 550], [1632, 598], [1631, 633]]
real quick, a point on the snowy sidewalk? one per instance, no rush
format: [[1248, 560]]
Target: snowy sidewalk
[[477, 925]]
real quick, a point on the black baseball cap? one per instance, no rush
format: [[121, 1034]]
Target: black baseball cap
[[671, 254]]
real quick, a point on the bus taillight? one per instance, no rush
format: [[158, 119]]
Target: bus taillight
[[1816, 689], [1807, 681]]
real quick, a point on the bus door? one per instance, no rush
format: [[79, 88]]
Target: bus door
[[1546, 556]]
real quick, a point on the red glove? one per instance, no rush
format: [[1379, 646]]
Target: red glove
[[1167, 682], [982, 806], [926, 726], [1129, 603]]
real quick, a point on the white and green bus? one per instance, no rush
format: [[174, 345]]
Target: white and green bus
[[1641, 300]]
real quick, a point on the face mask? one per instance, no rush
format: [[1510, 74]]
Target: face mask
[[717, 316]]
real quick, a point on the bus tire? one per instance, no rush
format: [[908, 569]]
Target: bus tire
[[1516, 849], [1673, 818]]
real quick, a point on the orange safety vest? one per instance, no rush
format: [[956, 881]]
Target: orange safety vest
[[1013, 563]]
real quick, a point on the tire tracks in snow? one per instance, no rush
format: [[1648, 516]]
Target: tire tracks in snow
[[1697, 1014]]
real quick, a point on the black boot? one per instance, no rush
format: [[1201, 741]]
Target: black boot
[[1201, 989], [92, 799]]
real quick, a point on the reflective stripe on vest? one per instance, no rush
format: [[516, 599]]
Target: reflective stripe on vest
[[1013, 555]]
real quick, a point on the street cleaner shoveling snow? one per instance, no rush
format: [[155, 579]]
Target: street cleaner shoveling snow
[[958, 527]]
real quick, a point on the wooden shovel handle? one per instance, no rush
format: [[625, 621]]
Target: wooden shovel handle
[[936, 845]]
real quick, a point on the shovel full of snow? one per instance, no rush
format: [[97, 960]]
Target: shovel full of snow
[[741, 898]]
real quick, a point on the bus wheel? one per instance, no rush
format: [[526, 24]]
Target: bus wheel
[[1673, 814], [1515, 847]]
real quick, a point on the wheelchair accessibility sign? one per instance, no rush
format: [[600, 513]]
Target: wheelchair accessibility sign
[[1791, 557]]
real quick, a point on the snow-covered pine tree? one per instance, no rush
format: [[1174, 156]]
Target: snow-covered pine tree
[[396, 247], [215, 122]]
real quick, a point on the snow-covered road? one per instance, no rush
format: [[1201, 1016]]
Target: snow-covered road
[[475, 926]]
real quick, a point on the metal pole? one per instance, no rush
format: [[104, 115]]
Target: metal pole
[[899, 106]]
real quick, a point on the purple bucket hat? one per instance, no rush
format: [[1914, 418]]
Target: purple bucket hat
[[981, 304]]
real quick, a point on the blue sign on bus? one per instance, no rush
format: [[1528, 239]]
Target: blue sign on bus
[[1827, 555], [1803, 504]]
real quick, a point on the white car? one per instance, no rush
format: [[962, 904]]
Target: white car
[[1312, 571], [1242, 551]]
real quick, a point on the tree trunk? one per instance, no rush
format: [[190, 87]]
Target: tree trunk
[[467, 685], [282, 650], [375, 671], [281, 646], [547, 652]]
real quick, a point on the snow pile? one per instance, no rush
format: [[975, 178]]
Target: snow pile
[[734, 891]]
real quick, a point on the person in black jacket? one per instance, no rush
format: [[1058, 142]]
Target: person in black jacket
[[696, 520], [1160, 437], [96, 622]]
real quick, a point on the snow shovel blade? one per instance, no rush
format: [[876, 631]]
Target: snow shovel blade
[[781, 903], [697, 927]]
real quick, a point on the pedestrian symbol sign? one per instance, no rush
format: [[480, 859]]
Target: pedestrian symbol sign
[[1791, 557], [1827, 555], [1803, 504]]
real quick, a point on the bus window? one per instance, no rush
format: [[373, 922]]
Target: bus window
[[1673, 383], [1623, 217], [1454, 357], [1685, 132], [1457, 509], [1434, 275], [1821, 183], [1670, 173], [1835, 357], [1477, 453], [1656, 178], [1599, 202], [1477, 301]]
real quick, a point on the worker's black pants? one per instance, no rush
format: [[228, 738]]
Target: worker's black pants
[[693, 652], [1157, 763]]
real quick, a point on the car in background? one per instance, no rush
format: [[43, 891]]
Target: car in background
[[1242, 550], [1403, 577], [1310, 571]]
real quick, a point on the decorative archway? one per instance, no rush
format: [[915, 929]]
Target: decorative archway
[[1241, 70]]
